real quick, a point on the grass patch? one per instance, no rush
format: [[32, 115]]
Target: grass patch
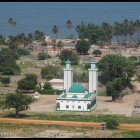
[[27, 64], [127, 134], [86, 118], [101, 94]]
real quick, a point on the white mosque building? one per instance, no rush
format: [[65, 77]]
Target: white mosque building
[[74, 96]]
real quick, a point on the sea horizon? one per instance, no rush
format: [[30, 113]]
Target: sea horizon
[[31, 16]]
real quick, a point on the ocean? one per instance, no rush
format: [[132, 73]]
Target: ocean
[[31, 16]]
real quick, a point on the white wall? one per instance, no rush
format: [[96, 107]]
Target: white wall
[[63, 104], [93, 80], [68, 78]]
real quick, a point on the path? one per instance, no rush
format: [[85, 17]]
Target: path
[[68, 123]]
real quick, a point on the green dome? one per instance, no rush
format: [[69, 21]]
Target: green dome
[[76, 88]]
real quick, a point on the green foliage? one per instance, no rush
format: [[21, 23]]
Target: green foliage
[[7, 71], [8, 62], [82, 46], [114, 66], [68, 54], [39, 36], [111, 123], [44, 43], [43, 56], [114, 88], [18, 101], [5, 80], [97, 52], [58, 92], [47, 91], [47, 85], [50, 71], [116, 72], [95, 34], [21, 51], [87, 65], [28, 83], [127, 134], [81, 77], [132, 58], [49, 76]]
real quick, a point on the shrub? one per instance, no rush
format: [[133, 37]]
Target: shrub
[[111, 123], [47, 91], [58, 92], [49, 76]]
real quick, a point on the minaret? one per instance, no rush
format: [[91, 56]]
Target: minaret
[[68, 75], [93, 77]]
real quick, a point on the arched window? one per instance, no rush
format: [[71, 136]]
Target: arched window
[[58, 105]]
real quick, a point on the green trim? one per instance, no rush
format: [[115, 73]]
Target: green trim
[[73, 99], [74, 110], [68, 62], [74, 96], [64, 96]]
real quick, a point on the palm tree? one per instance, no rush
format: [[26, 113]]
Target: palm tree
[[69, 25], [54, 45], [108, 32], [11, 22], [60, 45], [55, 30]]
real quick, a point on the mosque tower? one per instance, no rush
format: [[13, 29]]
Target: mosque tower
[[68, 75], [93, 77]]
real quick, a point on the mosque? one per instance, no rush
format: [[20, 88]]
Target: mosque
[[74, 96]]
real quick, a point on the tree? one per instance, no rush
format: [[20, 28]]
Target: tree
[[21, 51], [114, 88], [115, 72], [60, 45], [39, 36], [8, 62], [97, 52], [55, 30], [68, 54], [28, 83], [115, 66], [5, 80], [43, 56], [82, 46], [47, 85], [18, 101], [54, 45], [12, 22], [69, 25], [49, 71]]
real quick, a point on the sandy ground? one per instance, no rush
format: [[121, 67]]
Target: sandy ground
[[47, 103]]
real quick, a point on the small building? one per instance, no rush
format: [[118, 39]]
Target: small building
[[137, 106], [74, 96], [57, 83]]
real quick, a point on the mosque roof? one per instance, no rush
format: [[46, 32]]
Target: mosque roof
[[76, 88]]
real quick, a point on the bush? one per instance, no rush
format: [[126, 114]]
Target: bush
[[22, 51], [47, 91], [47, 86], [43, 56], [58, 92], [132, 58], [111, 123], [49, 76], [7, 71]]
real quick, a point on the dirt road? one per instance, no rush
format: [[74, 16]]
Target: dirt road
[[67, 123]]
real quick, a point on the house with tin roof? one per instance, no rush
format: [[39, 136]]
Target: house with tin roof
[[74, 96]]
